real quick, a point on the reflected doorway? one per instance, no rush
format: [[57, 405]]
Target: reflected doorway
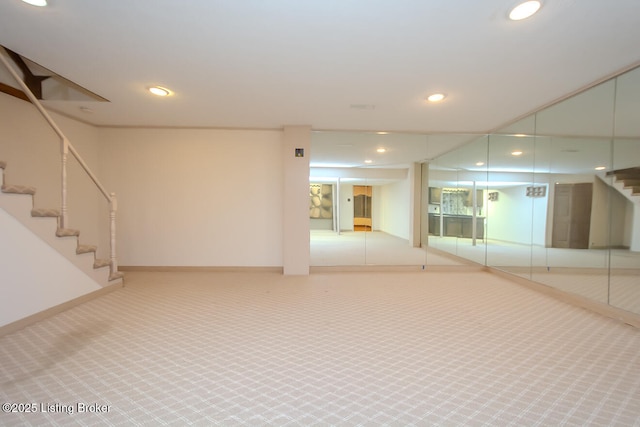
[[572, 215], [362, 207]]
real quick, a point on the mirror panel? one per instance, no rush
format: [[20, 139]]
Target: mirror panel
[[578, 218], [377, 182], [579, 132], [457, 195], [557, 214], [510, 212], [624, 281]]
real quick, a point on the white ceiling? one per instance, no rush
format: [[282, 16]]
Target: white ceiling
[[265, 64]]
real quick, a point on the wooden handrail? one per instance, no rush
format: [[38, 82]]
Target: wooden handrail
[[51, 122], [65, 148]]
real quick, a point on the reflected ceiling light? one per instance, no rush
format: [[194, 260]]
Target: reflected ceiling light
[[381, 150], [516, 153], [382, 133], [520, 135], [159, 91], [39, 3], [436, 97], [601, 168], [368, 161], [524, 10]]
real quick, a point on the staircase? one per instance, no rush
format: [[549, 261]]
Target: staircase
[[18, 201], [627, 181]]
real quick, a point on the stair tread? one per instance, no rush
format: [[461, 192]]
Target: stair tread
[[117, 275], [67, 232], [18, 189], [44, 212], [99, 263], [85, 249]]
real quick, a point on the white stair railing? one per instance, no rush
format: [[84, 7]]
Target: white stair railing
[[66, 148]]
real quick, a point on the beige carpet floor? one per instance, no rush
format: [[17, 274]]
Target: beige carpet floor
[[344, 349]]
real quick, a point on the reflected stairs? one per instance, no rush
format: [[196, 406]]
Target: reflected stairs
[[18, 201], [627, 181]]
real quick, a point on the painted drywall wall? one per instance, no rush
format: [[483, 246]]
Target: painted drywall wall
[[35, 276], [346, 207], [296, 143], [196, 197], [32, 152]]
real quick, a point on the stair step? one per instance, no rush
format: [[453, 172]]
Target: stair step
[[45, 213], [117, 275], [18, 189], [625, 176], [99, 263], [631, 182], [67, 232], [85, 249]]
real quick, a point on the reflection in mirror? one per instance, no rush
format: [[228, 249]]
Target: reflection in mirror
[[457, 193], [556, 200], [376, 179], [510, 215], [624, 185], [579, 130], [559, 195], [578, 218]]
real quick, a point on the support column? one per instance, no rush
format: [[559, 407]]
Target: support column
[[295, 239], [415, 185]]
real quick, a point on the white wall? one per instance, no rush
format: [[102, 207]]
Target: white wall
[[35, 277], [395, 209], [295, 206], [609, 219], [516, 218], [196, 197], [346, 207], [32, 152]]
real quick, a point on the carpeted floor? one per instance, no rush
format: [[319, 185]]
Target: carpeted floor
[[344, 349]]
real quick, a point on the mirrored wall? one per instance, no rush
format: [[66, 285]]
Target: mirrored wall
[[363, 206], [554, 197], [560, 195]]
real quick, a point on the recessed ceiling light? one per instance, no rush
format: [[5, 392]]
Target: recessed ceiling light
[[519, 135], [159, 91], [381, 150], [436, 97], [524, 10], [39, 3], [368, 161], [601, 168], [382, 133], [480, 164], [516, 153]]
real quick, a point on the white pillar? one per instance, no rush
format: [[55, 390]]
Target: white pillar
[[415, 185], [635, 229], [295, 241]]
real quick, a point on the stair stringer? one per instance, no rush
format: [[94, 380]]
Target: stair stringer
[[19, 206]]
